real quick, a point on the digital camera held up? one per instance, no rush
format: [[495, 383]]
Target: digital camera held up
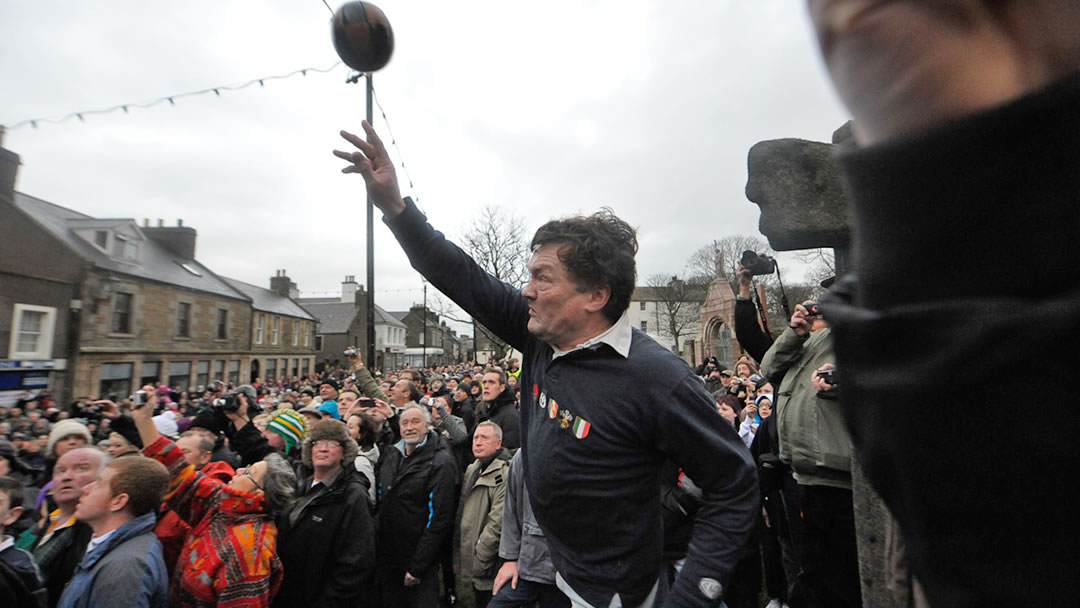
[[757, 264], [228, 402]]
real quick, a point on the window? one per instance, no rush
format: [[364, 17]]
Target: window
[[645, 326], [219, 370], [180, 375], [183, 320], [124, 247], [318, 342], [304, 367], [222, 324], [32, 333], [296, 367], [234, 372], [642, 304], [277, 325], [115, 380], [121, 318], [307, 335], [295, 332], [269, 374], [202, 373], [284, 369], [101, 238], [150, 372], [258, 328]]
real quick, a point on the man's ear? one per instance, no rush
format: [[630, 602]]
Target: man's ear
[[13, 514], [598, 298], [118, 502]]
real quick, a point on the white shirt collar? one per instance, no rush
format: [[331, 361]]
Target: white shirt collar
[[97, 540], [7, 542], [618, 337]]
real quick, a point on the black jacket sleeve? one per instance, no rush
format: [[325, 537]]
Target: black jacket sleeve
[[248, 443], [493, 303], [751, 336], [352, 566]]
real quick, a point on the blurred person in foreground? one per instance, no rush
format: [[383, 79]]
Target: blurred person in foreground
[[965, 123]]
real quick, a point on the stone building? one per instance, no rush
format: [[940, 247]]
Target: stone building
[[282, 332], [650, 311], [343, 323], [98, 307]]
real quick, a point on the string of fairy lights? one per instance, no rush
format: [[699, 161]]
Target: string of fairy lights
[[81, 115]]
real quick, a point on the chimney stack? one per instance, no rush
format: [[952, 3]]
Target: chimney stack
[[282, 285]]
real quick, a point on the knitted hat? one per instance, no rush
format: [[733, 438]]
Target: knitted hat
[[63, 429], [166, 423], [290, 425], [763, 397], [125, 427], [330, 407]]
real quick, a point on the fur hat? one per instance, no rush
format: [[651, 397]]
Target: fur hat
[[63, 429], [334, 430], [291, 425]]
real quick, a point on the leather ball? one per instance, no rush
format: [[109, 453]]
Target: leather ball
[[362, 36]]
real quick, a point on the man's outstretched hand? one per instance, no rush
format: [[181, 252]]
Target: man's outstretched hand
[[372, 161], [902, 66]]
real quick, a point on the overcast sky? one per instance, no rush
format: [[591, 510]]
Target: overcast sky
[[548, 109]]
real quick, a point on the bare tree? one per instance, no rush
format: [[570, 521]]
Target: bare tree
[[721, 257], [678, 304], [497, 239], [821, 264]]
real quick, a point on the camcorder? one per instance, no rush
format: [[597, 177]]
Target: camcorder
[[757, 264], [229, 402]]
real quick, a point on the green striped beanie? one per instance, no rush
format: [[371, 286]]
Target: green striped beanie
[[290, 424]]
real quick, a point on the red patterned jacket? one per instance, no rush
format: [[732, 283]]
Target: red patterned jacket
[[230, 557]]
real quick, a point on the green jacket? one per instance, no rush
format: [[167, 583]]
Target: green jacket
[[481, 519], [813, 437], [367, 384]]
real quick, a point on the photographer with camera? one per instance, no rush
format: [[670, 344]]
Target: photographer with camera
[[754, 338], [815, 443]]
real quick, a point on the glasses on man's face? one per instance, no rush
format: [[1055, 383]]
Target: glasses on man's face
[[327, 443], [246, 472]]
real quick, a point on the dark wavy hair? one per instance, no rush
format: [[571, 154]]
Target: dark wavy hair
[[598, 250]]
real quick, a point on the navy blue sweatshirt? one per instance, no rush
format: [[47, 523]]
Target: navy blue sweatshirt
[[596, 428]]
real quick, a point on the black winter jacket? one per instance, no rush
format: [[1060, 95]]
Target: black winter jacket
[[329, 554], [415, 500], [503, 411]]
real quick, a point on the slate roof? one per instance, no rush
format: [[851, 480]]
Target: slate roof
[[155, 262], [335, 317], [266, 300]]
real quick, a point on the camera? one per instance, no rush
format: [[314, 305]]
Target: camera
[[350, 352], [229, 402], [812, 309], [138, 398], [827, 376], [757, 264]]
